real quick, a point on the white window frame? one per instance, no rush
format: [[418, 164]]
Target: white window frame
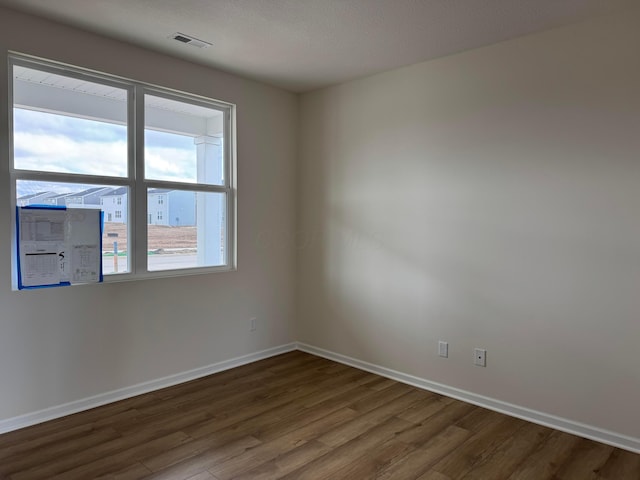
[[137, 212]]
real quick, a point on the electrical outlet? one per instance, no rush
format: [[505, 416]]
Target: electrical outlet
[[443, 349], [253, 324], [480, 357]]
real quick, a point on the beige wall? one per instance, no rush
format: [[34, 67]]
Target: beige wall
[[65, 344], [490, 199]]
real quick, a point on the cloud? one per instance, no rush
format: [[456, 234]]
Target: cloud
[[39, 122], [57, 143], [162, 163], [56, 153]]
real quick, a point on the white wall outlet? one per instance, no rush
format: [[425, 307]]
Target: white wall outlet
[[480, 357], [253, 322], [443, 349]]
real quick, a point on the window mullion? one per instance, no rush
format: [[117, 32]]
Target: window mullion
[[194, 187], [70, 178], [139, 224]]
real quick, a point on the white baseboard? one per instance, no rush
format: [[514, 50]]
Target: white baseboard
[[541, 418], [85, 404]]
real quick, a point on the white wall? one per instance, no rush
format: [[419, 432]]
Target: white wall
[[65, 344], [490, 199]]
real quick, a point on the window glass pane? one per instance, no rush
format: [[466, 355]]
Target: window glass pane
[[183, 142], [112, 200], [185, 229], [68, 125]]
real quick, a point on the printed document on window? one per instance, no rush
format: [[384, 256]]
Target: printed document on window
[[40, 264], [41, 244], [59, 246], [85, 264]]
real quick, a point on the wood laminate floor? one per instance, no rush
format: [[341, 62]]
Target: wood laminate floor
[[297, 416]]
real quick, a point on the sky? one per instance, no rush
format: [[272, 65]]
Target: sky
[[59, 143]]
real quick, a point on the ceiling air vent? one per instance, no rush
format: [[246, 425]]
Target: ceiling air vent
[[181, 37]]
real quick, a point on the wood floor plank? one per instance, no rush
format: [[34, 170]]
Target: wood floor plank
[[373, 462], [432, 475], [326, 466], [286, 463], [295, 418], [20, 447], [542, 463], [383, 396], [136, 471], [306, 419], [315, 404], [586, 460], [113, 463], [423, 410], [343, 385], [503, 461], [32, 457], [202, 476], [421, 433], [479, 446], [86, 419], [201, 462], [480, 419], [194, 447], [383, 383], [371, 411], [298, 416], [620, 464], [282, 444], [422, 458], [273, 410]]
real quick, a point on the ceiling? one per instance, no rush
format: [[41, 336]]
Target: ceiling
[[301, 45]]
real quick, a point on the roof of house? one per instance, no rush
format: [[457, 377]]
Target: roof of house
[[33, 195], [89, 191], [117, 192]]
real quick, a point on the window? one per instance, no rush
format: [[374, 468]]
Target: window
[[74, 144]]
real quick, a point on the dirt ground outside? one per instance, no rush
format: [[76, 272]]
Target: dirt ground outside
[[161, 238]]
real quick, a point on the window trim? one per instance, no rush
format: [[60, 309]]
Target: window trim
[[136, 182]]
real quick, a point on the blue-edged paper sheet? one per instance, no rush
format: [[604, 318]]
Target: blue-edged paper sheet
[[58, 246]]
